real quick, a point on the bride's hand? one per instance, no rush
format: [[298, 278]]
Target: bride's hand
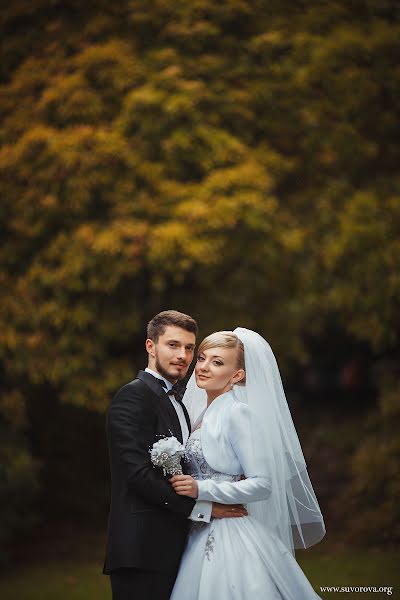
[[185, 485]]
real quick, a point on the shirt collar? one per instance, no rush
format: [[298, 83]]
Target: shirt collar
[[158, 376]]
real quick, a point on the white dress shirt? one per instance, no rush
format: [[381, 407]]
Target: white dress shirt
[[202, 509], [177, 406]]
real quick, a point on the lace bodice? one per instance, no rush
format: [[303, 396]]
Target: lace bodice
[[196, 464]]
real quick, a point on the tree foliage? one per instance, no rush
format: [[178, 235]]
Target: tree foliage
[[236, 160]]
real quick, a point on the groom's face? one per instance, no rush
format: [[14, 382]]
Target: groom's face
[[172, 354]]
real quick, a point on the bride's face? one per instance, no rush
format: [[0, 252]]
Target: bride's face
[[216, 370]]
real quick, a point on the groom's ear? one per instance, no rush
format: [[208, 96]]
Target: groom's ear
[[150, 347]]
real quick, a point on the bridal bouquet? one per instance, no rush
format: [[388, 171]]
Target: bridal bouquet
[[167, 453]]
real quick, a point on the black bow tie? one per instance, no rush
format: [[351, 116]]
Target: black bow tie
[[175, 391]]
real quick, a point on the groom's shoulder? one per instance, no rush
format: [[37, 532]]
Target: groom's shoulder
[[130, 397], [132, 388]]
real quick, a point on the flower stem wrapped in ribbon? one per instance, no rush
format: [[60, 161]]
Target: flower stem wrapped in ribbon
[[167, 454]]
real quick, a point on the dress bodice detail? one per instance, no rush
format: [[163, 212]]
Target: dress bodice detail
[[197, 466]]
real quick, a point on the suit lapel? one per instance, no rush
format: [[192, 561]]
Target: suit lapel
[[163, 404], [185, 412]]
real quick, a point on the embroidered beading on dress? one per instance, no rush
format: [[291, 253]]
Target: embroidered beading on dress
[[210, 544], [197, 466]]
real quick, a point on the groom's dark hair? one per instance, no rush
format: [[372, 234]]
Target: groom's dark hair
[[158, 324]]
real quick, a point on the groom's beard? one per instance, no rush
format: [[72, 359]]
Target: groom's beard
[[169, 376]]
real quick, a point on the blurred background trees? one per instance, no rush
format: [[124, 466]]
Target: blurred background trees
[[235, 160]]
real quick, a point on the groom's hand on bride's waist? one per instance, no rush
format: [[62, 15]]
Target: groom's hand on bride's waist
[[228, 511]]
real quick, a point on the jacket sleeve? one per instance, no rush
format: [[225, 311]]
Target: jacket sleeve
[[131, 425], [243, 439]]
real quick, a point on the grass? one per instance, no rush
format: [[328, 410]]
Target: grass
[[67, 580], [352, 569], [47, 578]]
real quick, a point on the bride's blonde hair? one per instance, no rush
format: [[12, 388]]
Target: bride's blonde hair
[[226, 339]]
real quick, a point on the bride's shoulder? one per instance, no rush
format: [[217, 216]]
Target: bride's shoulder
[[239, 411], [227, 409]]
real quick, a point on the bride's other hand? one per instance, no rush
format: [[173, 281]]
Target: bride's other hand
[[228, 511], [185, 485]]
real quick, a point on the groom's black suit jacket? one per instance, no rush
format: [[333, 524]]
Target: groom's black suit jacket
[[148, 521]]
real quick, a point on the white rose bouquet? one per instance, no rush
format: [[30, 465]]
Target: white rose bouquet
[[167, 453]]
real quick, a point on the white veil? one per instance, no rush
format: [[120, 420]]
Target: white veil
[[292, 510]]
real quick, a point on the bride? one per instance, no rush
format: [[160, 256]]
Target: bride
[[244, 449]]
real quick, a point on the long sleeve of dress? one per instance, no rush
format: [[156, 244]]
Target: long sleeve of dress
[[257, 485]]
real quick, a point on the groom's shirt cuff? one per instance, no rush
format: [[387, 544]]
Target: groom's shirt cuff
[[201, 511]]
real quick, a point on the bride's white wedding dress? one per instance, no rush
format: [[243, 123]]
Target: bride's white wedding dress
[[236, 558]]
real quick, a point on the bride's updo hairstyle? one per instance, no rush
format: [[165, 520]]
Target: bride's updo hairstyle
[[226, 339]]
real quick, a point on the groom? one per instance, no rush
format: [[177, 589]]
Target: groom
[[148, 521]]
